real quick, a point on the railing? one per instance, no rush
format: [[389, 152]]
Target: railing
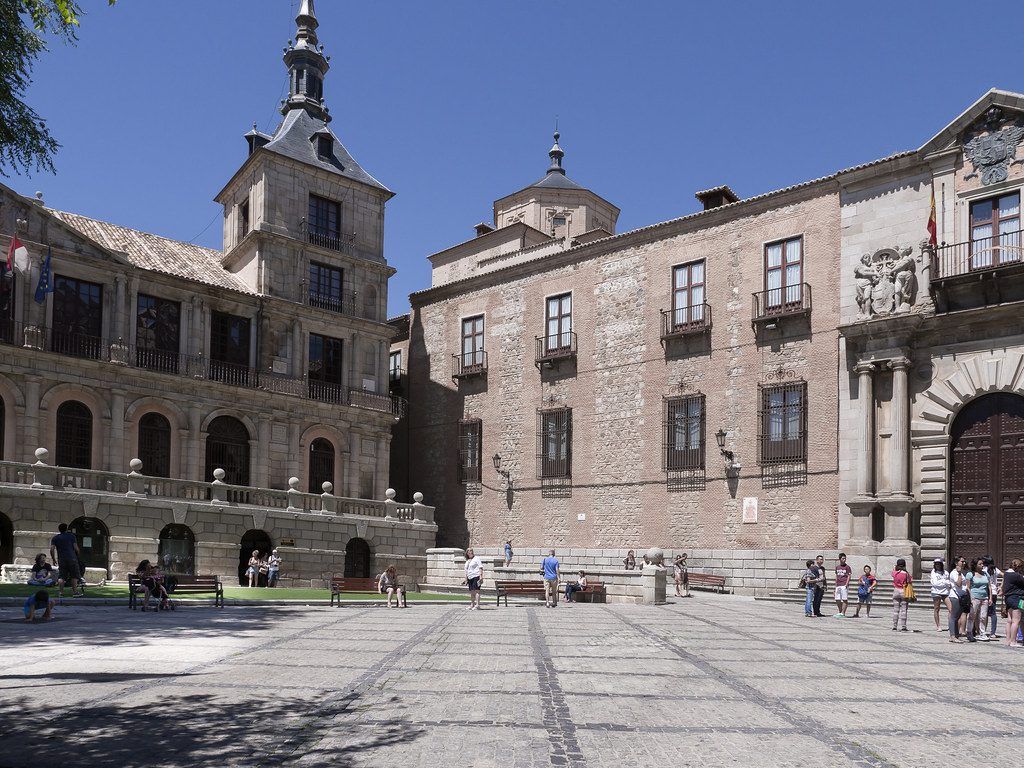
[[43, 476], [340, 242], [981, 255], [76, 344], [469, 364], [780, 302], [684, 321], [393, 404], [332, 303], [557, 347], [326, 392]]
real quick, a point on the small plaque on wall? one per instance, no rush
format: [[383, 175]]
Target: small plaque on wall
[[750, 509], [287, 542], [581, 516]]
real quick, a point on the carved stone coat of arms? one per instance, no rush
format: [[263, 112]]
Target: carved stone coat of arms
[[993, 153], [886, 282]]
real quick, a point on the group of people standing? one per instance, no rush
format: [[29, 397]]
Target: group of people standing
[[263, 571], [974, 594]]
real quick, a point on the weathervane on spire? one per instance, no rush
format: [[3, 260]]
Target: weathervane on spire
[[556, 154]]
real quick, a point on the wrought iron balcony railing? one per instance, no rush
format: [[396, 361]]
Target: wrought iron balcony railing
[[774, 303], [986, 254], [552, 349], [469, 364], [685, 321]]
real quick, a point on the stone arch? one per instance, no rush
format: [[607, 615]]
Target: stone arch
[[234, 413], [322, 431], [54, 398], [174, 415], [931, 431]]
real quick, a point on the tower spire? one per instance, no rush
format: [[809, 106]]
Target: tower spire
[[556, 154], [307, 66]]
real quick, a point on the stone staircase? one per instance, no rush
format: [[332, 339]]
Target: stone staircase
[[882, 599]]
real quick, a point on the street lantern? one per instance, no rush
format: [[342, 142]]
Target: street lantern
[[720, 437], [497, 462]]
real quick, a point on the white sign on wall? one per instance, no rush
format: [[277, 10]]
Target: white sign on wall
[[750, 509], [581, 516]]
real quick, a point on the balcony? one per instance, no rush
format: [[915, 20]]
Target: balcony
[[685, 321], [332, 303], [978, 273], [779, 304], [552, 350], [342, 243], [468, 365]]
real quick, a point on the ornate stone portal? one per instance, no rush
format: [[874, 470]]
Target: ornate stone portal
[[886, 282]]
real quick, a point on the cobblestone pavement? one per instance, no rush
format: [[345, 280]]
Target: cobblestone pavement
[[706, 681]]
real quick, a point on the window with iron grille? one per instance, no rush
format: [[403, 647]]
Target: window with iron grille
[[155, 445], [74, 435], [77, 317], [470, 450], [473, 342], [156, 333], [324, 217], [554, 443], [325, 369], [684, 433], [783, 424], [229, 348], [321, 464], [325, 287]]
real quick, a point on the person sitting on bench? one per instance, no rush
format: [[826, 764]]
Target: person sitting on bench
[[571, 589], [149, 577], [42, 573], [39, 601], [387, 583]]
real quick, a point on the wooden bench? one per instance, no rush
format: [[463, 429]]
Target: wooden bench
[[516, 588], [185, 585], [709, 580], [593, 590], [341, 584]]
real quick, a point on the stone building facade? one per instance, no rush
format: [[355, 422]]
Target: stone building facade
[[267, 359]]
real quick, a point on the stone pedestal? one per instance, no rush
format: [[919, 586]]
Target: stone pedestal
[[653, 580], [897, 543]]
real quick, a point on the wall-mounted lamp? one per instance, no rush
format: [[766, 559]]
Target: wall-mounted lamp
[[496, 460], [730, 457]]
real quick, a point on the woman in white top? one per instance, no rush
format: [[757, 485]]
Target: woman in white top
[[957, 589], [474, 578], [940, 592]]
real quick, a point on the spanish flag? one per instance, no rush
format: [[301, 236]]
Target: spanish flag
[[933, 237]]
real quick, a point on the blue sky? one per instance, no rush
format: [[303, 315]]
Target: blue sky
[[451, 104]]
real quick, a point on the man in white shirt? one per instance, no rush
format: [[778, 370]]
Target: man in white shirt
[[474, 578]]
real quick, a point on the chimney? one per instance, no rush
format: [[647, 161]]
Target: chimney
[[483, 228], [716, 197]]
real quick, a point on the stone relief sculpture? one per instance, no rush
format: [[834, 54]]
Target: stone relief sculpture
[[992, 155], [886, 282]]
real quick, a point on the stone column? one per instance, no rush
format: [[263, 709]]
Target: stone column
[[261, 478], [118, 329], [196, 456], [298, 371], [116, 450], [900, 427], [33, 428], [297, 460], [866, 395]]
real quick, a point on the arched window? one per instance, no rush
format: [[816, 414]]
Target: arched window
[[227, 448], [93, 539], [155, 445], [74, 435], [178, 550], [370, 302], [321, 464], [358, 559]]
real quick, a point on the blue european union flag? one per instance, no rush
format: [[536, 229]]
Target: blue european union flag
[[45, 284]]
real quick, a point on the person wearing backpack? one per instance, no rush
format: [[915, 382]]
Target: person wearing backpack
[[865, 591]]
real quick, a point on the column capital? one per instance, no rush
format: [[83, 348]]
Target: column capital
[[865, 367], [900, 364]]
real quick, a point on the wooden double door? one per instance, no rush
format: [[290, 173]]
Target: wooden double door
[[987, 479]]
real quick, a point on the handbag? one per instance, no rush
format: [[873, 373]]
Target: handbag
[[908, 592]]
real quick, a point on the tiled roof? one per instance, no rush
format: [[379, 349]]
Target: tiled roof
[[160, 254]]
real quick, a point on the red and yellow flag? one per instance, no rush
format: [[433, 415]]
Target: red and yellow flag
[[933, 236]]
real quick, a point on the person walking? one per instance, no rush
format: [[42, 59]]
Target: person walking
[[253, 571], [508, 553], [680, 576], [474, 578], [865, 592], [940, 587], [900, 597], [843, 574], [1013, 597], [807, 581], [981, 593], [273, 568], [64, 552], [821, 585], [549, 570]]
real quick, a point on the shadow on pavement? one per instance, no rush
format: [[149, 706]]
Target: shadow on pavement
[[197, 731]]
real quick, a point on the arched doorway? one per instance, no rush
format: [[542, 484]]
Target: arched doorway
[[93, 541], [227, 448], [358, 559], [155, 445], [251, 540], [321, 464], [987, 479], [178, 550], [6, 540], [74, 435]]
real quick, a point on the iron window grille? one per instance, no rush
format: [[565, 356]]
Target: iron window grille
[[229, 348], [326, 287], [155, 445], [783, 424], [470, 450], [325, 370], [74, 435], [158, 323], [684, 431], [321, 464], [77, 317], [554, 443]]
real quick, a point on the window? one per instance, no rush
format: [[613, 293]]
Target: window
[[554, 443], [684, 433], [470, 450], [156, 333], [177, 552], [8, 290], [324, 217], [558, 323], [243, 219], [227, 448], [558, 221], [155, 445], [472, 342], [325, 287], [229, 348], [995, 231], [77, 317], [321, 464], [325, 368], [324, 147], [688, 294], [783, 424], [783, 272], [74, 435], [395, 365]]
